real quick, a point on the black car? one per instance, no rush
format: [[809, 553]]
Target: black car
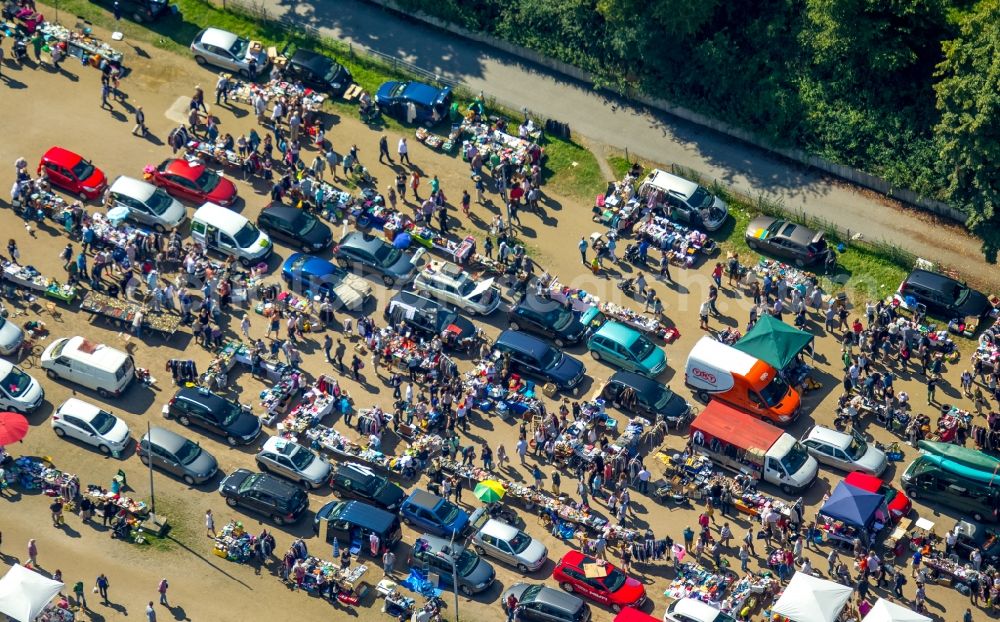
[[546, 317], [319, 72], [360, 482], [298, 228], [139, 10], [200, 407], [530, 356], [944, 296], [651, 398], [429, 318], [265, 494]]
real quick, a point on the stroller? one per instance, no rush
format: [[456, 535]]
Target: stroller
[[369, 113], [20, 50]]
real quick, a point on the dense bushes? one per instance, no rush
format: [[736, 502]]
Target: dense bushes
[[862, 82]]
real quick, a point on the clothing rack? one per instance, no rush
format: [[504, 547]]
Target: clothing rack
[[183, 370]]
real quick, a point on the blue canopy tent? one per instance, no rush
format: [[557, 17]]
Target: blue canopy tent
[[855, 508]]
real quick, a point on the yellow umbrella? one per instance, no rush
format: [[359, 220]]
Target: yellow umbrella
[[489, 491]]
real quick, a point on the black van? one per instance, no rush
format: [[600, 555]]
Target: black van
[[530, 356], [139, 10], [353, 522]]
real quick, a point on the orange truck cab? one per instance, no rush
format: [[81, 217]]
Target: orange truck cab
[[715, 370]]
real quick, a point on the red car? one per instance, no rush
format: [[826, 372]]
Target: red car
[[72, 173], [194, 182], [615, 589], [899, 504]]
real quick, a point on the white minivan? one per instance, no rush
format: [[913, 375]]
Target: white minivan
[[19, 392], [89, 364], [686, 201], [222, 230]]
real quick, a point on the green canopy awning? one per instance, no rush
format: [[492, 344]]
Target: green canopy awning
[[774, 342]]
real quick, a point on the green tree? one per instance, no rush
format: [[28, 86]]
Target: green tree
[[968, 97], [859, 44]]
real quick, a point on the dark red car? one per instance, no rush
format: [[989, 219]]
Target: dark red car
[[194, 182], [899, 504], [609, 585], [69, 171]]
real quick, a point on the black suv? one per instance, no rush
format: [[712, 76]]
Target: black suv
[[652, 399], [319, 72], [430, 318], [530, 356], [139, 10], [216, 414], [265, 494], [546, 317], [944, 296], [360, 482]]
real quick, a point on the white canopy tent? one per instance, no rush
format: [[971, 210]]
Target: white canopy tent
[[810, 599], [888, 611], [24, 593]]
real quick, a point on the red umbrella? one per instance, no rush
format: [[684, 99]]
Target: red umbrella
[[13, 427]]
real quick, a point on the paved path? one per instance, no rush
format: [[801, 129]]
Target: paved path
[[650, 135]]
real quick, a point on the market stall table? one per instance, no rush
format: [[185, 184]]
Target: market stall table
[[29, 278], [122, 312]]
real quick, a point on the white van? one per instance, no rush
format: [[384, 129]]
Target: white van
[[222, 230], [686, 201], [19, 392], [93, 365]]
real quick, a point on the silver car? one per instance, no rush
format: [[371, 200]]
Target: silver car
[[11, 336], [177, 455], [221, 48], [293, 461], [844, 451], [510, 545], [146, 204]]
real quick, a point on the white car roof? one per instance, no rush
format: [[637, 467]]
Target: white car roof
[[830, 437], [499, 530], [79, 408], [695, 609], [132, 187], [216, 36], [280, 445]]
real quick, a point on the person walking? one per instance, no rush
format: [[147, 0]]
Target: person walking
[[583, 249], [383, 149], [931, 388], [703, 311], [162, 590], [222, 89], [105, 92], [210, 524], [78, 594], [102, 587], [150, 612], [415, 184], [140, 122], [403, 150], [33, 553]]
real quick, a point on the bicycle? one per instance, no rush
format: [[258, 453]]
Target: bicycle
[[28, 352]]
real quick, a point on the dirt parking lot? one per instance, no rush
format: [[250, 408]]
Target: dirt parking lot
[[45, 108]]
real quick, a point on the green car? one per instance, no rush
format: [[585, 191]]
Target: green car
[[627, 348]]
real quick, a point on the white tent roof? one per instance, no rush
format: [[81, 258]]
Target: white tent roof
[[24, 593], [888, 611], [809, 599]]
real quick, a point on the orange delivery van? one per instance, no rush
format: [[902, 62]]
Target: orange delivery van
[[715, 370]]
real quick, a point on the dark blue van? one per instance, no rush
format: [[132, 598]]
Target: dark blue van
[[353, 522], [532, 357], [414, 102]]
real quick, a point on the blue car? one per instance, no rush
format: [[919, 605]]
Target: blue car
[[414, 102], [304, 272], [435, 515]]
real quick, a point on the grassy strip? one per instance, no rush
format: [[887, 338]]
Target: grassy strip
[[570, 170]]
